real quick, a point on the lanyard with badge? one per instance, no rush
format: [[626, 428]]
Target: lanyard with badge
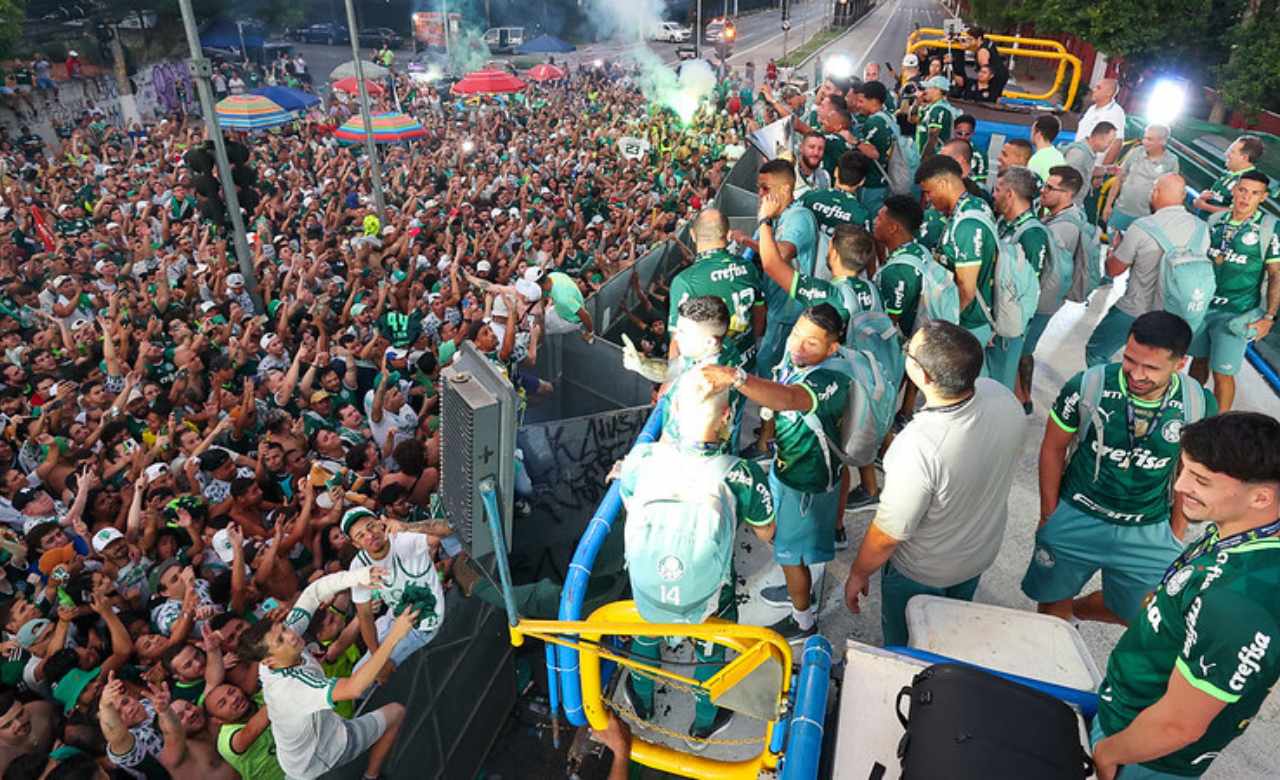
[[1212, 545], [1131, 422]]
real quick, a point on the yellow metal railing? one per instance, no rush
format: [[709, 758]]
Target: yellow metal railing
[[1036, 48], [755, 646]]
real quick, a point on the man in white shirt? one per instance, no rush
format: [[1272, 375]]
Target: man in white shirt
[[942, 510], [312, 739], [406, 558], [1104, 109]]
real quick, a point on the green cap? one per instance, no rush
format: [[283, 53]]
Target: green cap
[[67, 691], [351, 516]]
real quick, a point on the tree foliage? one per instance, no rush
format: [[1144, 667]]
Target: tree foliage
[[1250, 78], [12, 15]]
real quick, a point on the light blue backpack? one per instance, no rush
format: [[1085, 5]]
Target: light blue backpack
[[1187, 282], [1017, 287]]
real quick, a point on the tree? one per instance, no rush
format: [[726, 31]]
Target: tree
[[12, 15], [1249, 80]]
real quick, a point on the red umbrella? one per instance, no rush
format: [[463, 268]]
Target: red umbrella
[[544, 72], [352, 87], [487, 82]]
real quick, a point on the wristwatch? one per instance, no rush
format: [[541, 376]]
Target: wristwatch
[[1269, 316], [739, 378]]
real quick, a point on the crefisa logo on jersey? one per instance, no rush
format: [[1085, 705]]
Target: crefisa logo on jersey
[[1249, 656]]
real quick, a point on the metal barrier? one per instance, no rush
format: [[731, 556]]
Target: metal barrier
[[1036, 48]]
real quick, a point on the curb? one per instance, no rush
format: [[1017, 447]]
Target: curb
[[834, 41]]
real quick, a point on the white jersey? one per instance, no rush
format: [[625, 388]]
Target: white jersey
[[407, 560], [300, 705]]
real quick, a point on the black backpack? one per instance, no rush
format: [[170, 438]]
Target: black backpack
[[967, 724]]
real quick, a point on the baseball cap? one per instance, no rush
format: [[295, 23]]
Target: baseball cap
[[266, 340], [58, 281], [68, 690], [396, 354], [911, 61], [31, 631], [155, 471], [157, 571], [223, 547], [534, 274], [319, 395], [103, 539], [235, 280], [358, 309], [25, 496], [529, 290], [937, 82], [483, 267], [352, 516], [499, 307]]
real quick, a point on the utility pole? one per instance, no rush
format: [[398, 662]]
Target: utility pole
[[371, 148], [697, 31], [201, 71]]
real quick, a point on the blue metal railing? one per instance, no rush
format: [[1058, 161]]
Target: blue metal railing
[[808, 717], [564, 660]]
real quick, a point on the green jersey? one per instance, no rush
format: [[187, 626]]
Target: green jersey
[[727, 356], [1034, 239], [850, 295], [803, 461], [900, 284], [878, 129], [258, 762], [978, 166], [833, 208], [1219, 193], [834, 150], [1121, 474], [932, 228], [937, 116], [731, 279], [1240, 260], [1214, 620], [746, 480], [970, 243]]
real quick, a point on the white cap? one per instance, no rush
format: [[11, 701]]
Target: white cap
[[499, 307], [529, 290], [155, 471], [495, 213], [266, 339], [223, 547], [207, 306], [483, 266], [911, 61], [235, 280], [58, 281], [103, 538], [534, 274]]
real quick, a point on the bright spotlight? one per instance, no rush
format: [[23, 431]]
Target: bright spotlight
[[1167, 101], [599, 63], [838, 67], [468, 146]]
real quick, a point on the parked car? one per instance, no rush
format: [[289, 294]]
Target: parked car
[[327, 32], [375, 37], [671, 32], [715, 30], [504, 40]]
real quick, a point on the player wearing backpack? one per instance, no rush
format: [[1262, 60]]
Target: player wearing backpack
[[1018, 225], [936, 116], [1141, 254], [1077, 238], [942, 511], [812, 382], [684, 499], [837, 206], [878, 142], [1109, 455], [1244, 244], [796, 233], [969, 245], [901, 276]]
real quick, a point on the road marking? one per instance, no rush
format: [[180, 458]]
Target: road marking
[[821, 13], [867, 51]]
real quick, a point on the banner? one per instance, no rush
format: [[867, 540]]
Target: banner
[[773, 139], [632, 148]]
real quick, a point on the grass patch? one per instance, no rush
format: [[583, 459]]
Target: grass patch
[[820, 39]]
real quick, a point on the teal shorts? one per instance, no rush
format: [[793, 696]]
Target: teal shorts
[[1108, 337], [1074, 545], [805, 524], [1001, 359], [1120, 221], [983, 334], [1215, 341], [1128, 771], [896, 589], [1035, 329]]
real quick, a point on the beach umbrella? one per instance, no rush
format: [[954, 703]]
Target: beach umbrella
[[347, 70], [352, 87], [250, 112], [544, 72], [391, 127], [287, 98], [487, 82]]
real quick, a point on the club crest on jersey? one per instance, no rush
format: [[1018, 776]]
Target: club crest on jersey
[[1250, 238], [1178, 581], [670, 568], [1172, 431]]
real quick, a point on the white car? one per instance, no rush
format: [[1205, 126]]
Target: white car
[[671, 32]]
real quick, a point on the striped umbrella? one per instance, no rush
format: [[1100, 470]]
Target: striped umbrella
[[388, 128], [250, 112]]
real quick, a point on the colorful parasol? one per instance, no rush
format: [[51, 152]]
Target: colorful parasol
[[250, 112], [487, 82], [544, 72], [388, 128], [352, 87]]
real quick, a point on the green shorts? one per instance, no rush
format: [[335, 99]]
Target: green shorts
[[1035, 329], [1001, 359], [805, 524], [1074, 545], [1215, 341]]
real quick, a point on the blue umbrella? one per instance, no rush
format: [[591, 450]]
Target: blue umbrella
[[545, 44], [287, 98]]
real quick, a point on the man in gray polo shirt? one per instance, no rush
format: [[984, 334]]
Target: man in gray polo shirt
[[945, 500], [1139, 253], [1130, 197]]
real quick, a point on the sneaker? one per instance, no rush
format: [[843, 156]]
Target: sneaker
[[698, 736], [791, 631], [1028, 408], [860, 499], [776, 596], [634, 701], [842, 539]]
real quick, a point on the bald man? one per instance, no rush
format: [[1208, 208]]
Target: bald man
[[1130, 197], [1104, 108], [1139, 254], [730, 278]]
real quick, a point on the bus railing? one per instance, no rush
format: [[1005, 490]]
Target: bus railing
[[1035, 48]]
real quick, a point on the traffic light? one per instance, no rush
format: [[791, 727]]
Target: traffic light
[[208, 187]]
